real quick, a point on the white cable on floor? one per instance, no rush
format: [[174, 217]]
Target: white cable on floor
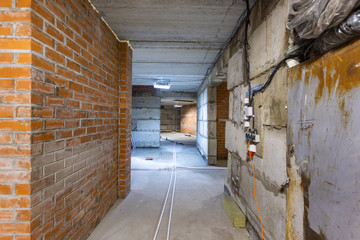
[[180, 168], [203, 168], [172, 196], [164, 204]]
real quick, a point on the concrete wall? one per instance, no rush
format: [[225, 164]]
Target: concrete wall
[[324, 99], [206, 124], [268, 39], [188, 119], [146, 121], [170, 118], [64, 123]]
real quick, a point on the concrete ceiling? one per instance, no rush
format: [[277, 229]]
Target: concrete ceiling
[[174, 40]]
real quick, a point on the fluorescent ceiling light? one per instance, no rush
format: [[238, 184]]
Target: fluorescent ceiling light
[[161, 86]]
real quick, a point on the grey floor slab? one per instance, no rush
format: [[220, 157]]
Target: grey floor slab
[[197, 210]]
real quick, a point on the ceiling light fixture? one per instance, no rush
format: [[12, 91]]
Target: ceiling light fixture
[[162, 84]]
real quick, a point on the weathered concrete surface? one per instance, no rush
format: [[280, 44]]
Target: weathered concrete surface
[[271, 202], [235, 70], [170, 118], [206, 124], [269, 38], [145, 121], [267, 45], [170, 36], [148, 125], [197, 211], [324, 98], [146, 102], [146, 113]]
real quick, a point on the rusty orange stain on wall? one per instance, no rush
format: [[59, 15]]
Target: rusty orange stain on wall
[[339, 68]]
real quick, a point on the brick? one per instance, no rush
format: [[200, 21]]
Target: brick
[[15, 98], [72, 45], [18, 16], [54, 33], [23, 84], [42, 63], [55, 56], [64, 113], [22, 215], [9, 43], [23, 3], [16, 202], [22, 189], [6, 228], [54, 124], [63, 92], [5, 3], [15, 125], [64, 50], [22, 138], [24, 58], [36, 125], [43, 112], [54, 146], [74, 66], [38, 8], [22, 164], [6, 112], [5, 137], [6, 57], [54, 101], [23, 112], [5, 189], [14, 72], [14, 151], [6, 215], [53, 167], [43, 137], [6, 84], [76, 87], [23, 30]]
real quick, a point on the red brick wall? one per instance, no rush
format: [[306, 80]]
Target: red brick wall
[[188, 119], [125, 100], [65, 114], [222, 112], [15, 120]]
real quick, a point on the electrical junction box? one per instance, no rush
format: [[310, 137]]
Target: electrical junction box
[[252, 148], [248, 111], [257, 139]]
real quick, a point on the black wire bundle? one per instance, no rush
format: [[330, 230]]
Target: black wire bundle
[[268, 82], [246, 46]]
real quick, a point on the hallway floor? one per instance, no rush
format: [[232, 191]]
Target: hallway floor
[[197, 212]]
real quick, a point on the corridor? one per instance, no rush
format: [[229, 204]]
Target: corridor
[[197, 212]]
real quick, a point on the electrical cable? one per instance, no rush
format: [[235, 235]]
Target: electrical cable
[[268, 82], [180, 168], [257, 204], [165, 201], [246, 47], [172, 196]]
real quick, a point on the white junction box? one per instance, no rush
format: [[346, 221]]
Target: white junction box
[[248, 111]]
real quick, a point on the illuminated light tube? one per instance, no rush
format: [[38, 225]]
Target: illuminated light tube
[[161, 86]]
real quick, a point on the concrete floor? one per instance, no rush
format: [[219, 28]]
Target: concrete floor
[[197, 211]]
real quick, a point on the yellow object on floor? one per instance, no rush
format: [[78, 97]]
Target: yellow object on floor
[[234, 213]]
